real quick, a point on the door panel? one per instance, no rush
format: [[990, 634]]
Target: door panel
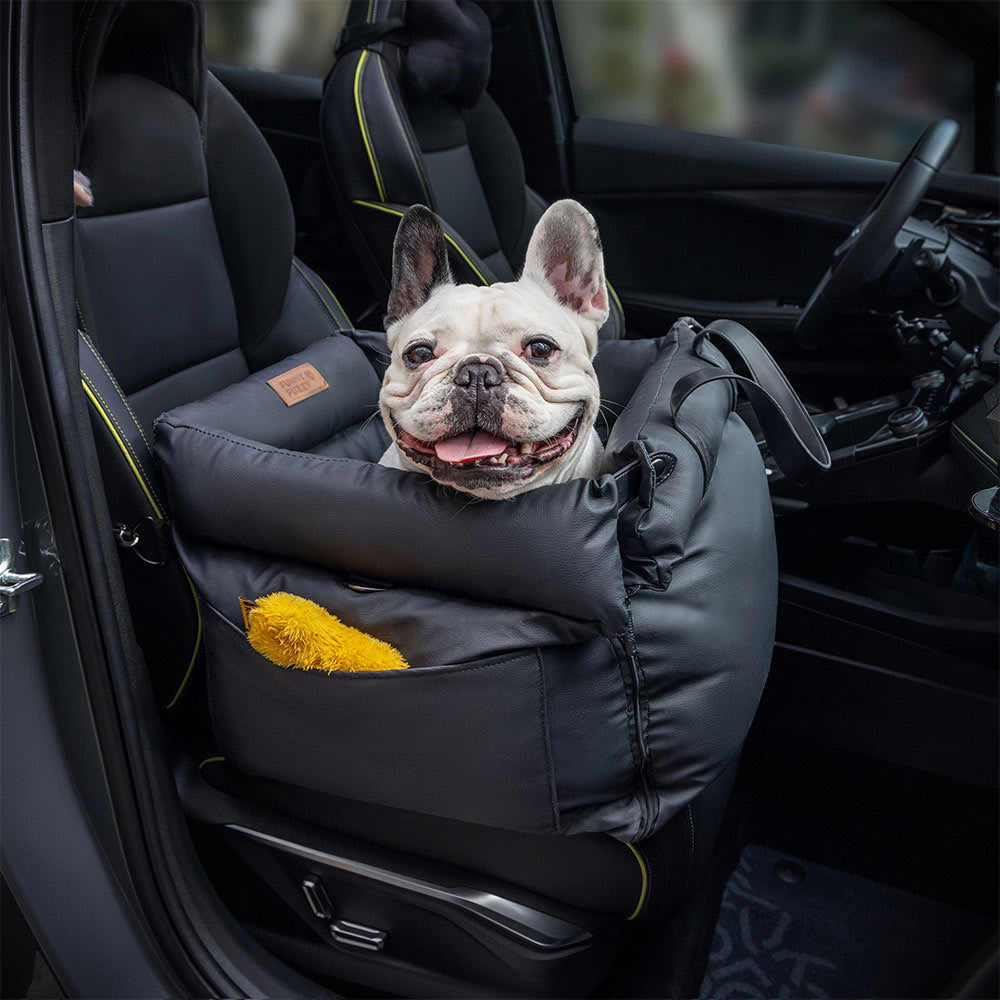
[[710, 226], [718, 221]]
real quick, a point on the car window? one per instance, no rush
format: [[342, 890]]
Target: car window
[[849, 76], [283, 36]]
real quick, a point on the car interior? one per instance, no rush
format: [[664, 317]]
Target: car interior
[[242, 215]]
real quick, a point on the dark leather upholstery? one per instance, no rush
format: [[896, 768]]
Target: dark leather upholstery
[[398, 128], [186, 280]]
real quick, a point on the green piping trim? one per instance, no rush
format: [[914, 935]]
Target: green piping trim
[[645, 882], [301, 268], [197, 643], [447, 236], [406, 138], [92, 395], [982, 451], [211, 760], [618, 301], [343, 311], [141, 479], [363, 124], [118, 389]]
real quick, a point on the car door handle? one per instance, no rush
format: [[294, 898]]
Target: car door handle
[[12, 583]]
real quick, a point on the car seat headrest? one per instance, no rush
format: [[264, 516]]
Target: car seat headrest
[[161, 40], [451, 43]]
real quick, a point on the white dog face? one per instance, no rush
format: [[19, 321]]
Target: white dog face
[[491, 389]]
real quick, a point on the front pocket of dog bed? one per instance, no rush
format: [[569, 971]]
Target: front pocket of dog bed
[[468, 742]]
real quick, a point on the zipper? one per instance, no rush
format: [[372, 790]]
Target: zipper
[[632, 656]]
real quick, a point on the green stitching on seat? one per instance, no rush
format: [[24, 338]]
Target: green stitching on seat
[[117, 388], [108, 414], [406, 138], [98, 402], [343, 311], [359, 105], [322, 301]]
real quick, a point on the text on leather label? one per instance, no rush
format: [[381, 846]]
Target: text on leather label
[[297, 384]]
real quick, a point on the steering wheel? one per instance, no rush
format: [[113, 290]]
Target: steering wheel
[[863, 256]]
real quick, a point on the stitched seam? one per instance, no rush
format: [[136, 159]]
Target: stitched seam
[[406, 138], [124, 439], [329, 291], [633, 748], [690, 866], [363, 122], [218, 759], [644, 720], [77, 124], [121, 395], [315, 291], [90, 390], [79, 316], [547, 750]]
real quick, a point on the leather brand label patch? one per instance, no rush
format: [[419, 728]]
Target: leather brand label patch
[[297, 384]]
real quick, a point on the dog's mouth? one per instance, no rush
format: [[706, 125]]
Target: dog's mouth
[[480, 454]]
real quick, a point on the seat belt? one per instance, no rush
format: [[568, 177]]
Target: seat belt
[[795, 442]]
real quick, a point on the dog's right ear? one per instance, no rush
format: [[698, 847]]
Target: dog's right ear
[[419, 262]]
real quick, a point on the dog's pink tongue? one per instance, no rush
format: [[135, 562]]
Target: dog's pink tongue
[[469, 446]]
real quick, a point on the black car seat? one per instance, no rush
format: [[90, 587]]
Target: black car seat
[[186, 282], [186, 279], [406, 119]]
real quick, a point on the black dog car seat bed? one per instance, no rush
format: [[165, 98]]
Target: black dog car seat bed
[[584, 657]]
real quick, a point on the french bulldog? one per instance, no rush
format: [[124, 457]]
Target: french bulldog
[[492, 389]]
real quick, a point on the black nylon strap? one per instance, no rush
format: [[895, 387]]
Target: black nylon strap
[[359, 36], [798, 447]]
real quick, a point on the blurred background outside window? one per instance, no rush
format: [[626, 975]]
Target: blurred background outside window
[[848, 76], [283, 36]]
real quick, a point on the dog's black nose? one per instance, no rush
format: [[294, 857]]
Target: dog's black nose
[[477, 374]]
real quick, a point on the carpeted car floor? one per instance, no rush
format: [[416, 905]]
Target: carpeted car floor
[[791, 928]]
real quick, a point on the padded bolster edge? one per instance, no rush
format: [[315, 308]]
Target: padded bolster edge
[[253, 410], [647, 417], [400, 527]]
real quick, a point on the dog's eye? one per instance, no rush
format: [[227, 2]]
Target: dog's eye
[[418, 355], [539, 350]]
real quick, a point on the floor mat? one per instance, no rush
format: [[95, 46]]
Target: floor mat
[[791, 928]]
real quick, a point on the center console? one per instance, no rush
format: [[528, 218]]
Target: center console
[[887, 638]]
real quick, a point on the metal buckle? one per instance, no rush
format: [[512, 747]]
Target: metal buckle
[[133, 539]]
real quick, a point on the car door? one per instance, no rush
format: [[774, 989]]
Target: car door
[[726, 149]]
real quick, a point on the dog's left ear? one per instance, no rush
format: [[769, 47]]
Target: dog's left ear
[[419, 262], [565, 257]]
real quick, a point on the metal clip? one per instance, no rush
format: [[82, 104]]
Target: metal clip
[[131, 538], [13, 584]]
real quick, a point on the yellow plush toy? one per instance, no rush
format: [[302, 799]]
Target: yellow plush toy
[[294, 632]]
